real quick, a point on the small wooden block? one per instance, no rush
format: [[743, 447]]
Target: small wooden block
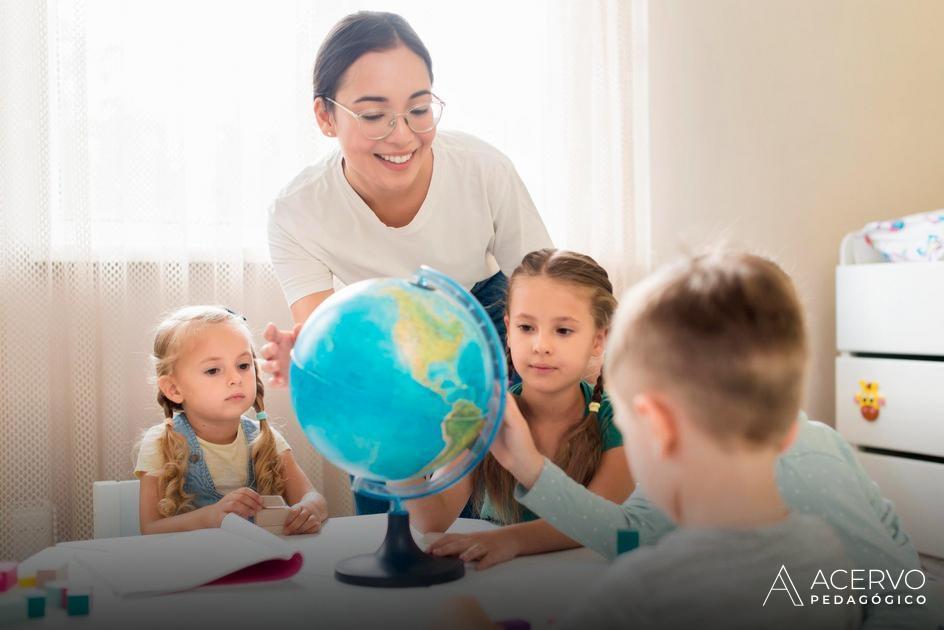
[[79, 601], [271, 517], [28, 581], [51, 574], [626, 540], [7, 576], [273, 500], [275, 529], [56, 593], [35, 603]]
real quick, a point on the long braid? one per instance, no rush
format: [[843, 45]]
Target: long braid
[[268, 467], [175, 453], [581, 448]]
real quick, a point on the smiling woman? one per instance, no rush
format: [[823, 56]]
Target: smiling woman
[[395, 195]]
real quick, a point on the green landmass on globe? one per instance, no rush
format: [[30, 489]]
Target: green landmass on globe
[[460, 429], [425, 337]]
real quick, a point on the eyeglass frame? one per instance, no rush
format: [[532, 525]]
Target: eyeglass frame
[[393, 127]]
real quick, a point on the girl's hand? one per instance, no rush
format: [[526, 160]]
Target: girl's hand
[[276, 353], [306, 517], [486, 549], [245, 502], [514, 447]]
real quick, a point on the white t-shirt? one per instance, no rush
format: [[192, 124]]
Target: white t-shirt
[[477, 218], [228, 463]]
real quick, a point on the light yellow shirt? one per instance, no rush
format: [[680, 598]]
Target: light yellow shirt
[[228, 463]]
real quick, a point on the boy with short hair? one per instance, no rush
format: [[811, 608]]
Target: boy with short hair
[[706, 363]]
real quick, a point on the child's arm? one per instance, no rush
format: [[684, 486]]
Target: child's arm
[[547, 491], [437, 512], [309, 509], [611, 482], [244, 502]]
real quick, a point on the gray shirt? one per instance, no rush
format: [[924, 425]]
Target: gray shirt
[[818, 475], [722, 578]]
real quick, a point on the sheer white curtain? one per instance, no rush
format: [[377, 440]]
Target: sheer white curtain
[[140, 144]]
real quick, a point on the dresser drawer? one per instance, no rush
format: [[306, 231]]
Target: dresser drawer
[[915, 489], [907, 413], [887, 308]]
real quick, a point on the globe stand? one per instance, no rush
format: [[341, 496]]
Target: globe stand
[[398, 562]]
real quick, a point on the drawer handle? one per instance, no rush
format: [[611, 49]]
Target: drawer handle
[[869, 400]]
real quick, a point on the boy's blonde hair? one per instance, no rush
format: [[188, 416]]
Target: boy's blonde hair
[[581, 448], [169, 340], [723, 331]]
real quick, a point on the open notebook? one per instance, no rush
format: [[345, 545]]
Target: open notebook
[[236, 552]]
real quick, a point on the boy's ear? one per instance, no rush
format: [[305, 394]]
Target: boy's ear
[[169, 388], [790, 437], [661, 423]]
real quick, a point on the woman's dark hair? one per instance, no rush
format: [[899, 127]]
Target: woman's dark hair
[[359, 33]]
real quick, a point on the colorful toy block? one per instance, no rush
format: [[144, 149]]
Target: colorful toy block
[[56, 593], [51, 574], [79, 600], [626, 540], [7, 576], [35, 603], [28, 581]]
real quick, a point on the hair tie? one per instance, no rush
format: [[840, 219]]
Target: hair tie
[[169, 420], [594, 407], [235, 314], [260, 416]]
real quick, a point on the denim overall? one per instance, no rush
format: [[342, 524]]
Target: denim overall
[[491, 294], [199, 483]]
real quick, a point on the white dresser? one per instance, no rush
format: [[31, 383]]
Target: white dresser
[[890, 382]]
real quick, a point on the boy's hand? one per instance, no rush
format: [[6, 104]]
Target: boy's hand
[[245, 502], [514, 447], [306, 517], [276, 353], [486, 549]]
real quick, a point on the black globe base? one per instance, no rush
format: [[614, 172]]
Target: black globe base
[[398, 563]]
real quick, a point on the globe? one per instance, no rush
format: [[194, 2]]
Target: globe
[[401, 383]]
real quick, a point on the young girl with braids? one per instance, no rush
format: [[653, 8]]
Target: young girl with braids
[[557, 316], [207, 459]]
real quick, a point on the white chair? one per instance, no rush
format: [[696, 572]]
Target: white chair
[[115, 508]]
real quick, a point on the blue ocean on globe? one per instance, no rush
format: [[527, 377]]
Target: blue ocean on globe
[[393, 379]]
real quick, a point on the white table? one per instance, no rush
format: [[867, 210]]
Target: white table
[[536, 588]]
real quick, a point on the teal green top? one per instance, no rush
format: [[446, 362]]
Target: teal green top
[[818, 475], [609, 435]]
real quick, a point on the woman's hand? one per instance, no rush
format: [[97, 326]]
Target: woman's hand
[[514, 447], [306, 517], [485, 549], [245, 502], [276, 353]]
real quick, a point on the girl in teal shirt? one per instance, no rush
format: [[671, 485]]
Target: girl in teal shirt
[[557, 316]]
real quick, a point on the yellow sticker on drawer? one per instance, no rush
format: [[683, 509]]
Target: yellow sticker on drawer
[[869, 400]]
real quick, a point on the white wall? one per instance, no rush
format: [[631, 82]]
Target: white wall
[[780, 125]]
